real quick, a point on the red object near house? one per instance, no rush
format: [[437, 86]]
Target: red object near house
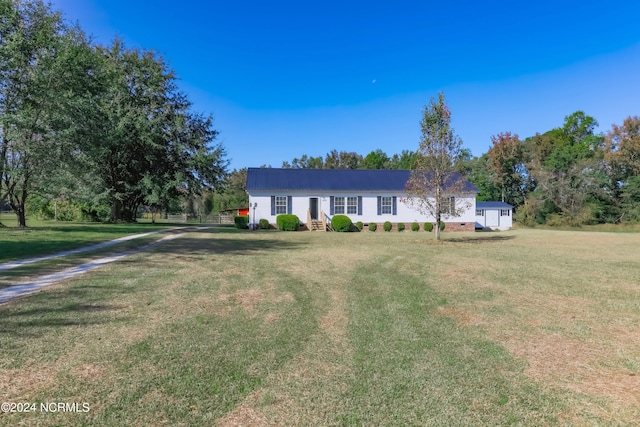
[[243, 211]]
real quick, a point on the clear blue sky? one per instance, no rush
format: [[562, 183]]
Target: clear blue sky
[[286, 78]]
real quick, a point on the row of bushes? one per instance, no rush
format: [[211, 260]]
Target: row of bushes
[[387, 226], [285, 222], [340, 223], [343, 223]]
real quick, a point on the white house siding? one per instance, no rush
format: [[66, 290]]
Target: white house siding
[[404, 213], [493, 216]]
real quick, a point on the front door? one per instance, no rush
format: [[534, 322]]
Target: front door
[[313, 207]]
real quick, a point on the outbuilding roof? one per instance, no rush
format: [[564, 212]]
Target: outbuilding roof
[[493, 205], [347, 180]]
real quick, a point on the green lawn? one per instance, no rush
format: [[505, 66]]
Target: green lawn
[[526, 327]]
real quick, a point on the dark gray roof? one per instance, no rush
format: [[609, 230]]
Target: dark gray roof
[[493, 205], [273, 179]]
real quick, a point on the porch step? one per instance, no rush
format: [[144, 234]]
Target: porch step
[[316, 225]]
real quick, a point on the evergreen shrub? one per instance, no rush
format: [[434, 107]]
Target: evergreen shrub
[[263, 224], [241, 221], [288, 222], [341, 223]]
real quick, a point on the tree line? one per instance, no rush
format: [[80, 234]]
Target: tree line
[[104, 128], [105, 131], [568, 175]]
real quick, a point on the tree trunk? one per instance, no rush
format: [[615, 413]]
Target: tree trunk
[[116, 211], [22, 217], [18, 203], [438, 213]]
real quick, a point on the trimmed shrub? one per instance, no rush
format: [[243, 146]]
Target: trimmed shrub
[[428, 226], [341, 223], [288, 222], [387, 226], [263, 224], [373, 226], [359, 225], [401, 226], [415, 226], [241, 221], [441, 226]]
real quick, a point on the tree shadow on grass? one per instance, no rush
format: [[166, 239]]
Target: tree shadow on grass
[[79, 304], [481, 239], [216, 245]]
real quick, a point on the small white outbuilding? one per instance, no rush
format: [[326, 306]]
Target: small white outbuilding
[[494, 215]]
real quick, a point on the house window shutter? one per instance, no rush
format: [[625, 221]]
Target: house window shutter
[[273, 205], [359, 205], [332, 208], [379, 205], [395, 205], [289, 199]]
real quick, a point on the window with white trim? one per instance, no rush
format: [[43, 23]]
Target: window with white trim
[[352, 205], [479, 212], [281, 205], [504, 212], [345, 205], [386, 204]]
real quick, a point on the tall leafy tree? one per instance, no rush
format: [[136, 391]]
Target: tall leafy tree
[[45, 84], [623, 148], [434, 184], [566, 164], [622, 156], [479, 174], [342, 160], [506, 163], [377, 159], [405, 160], [153, 148], [234, 193]]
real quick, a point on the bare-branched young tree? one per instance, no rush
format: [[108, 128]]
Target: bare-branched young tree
[[435, 187]]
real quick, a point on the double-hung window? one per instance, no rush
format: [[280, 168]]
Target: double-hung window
[[386, 205], [479, 212], [345, 205], [281, 205], [504, 212], [352, 205]]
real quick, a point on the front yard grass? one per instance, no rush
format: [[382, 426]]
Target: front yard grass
[[527, 327]]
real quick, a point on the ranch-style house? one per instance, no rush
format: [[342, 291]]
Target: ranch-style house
[[316, 195]]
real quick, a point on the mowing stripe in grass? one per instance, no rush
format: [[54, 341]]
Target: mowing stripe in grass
[[416, 366]]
